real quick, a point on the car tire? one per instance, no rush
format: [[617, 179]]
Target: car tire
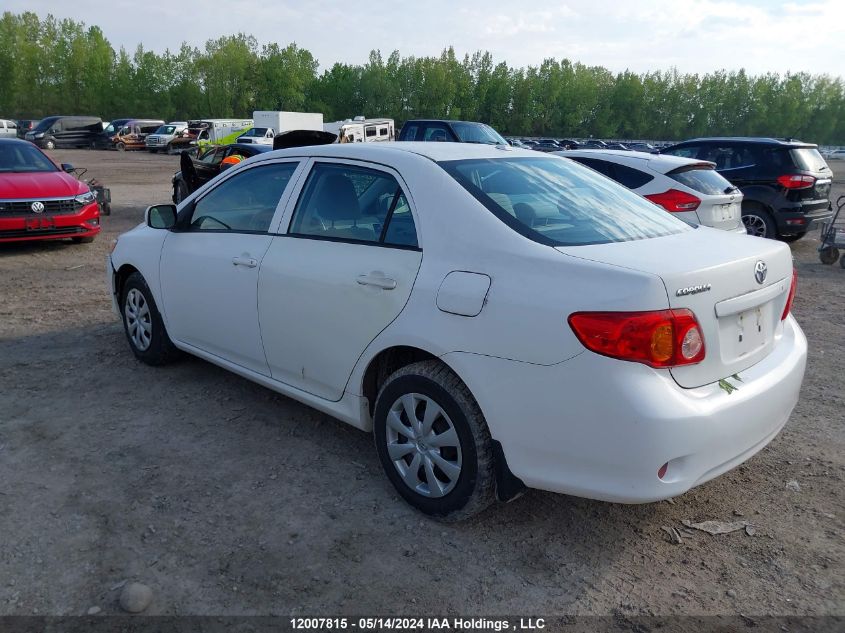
[[143, 324], [454, 475], [759, 222], [180, 191], [120, 146], [83, 240], [792, 238], [49, 145], [169, 149]]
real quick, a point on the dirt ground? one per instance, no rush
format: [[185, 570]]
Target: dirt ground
[[226, 498]]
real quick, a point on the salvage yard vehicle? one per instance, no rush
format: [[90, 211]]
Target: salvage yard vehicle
[[689, 188], [8, 128], [450, 131], [211, 132], [123, 134], [785, 183], [362, 130], [39, 200], [164, 136], [65, 131], [268, 124], [195, 172], [560, 333]]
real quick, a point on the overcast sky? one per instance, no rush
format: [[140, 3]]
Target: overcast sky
[[692, 35]]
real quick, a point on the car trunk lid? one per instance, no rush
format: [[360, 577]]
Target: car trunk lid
[[717, 276]]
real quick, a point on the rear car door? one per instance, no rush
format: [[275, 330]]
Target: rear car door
[[209, 265], [340, 275]]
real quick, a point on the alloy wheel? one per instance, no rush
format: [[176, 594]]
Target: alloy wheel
[[754, 225], [139, 322], [423, 445]]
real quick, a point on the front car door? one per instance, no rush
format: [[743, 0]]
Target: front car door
[[341, 274], [209, 265]]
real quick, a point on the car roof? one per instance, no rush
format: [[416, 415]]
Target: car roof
[[9, 141], [433, 151], [658, 162], [763, 140]]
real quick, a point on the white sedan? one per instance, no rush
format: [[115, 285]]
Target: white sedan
[[691, 189], [497, 318]]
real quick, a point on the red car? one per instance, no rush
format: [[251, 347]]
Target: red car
[[39, 200]]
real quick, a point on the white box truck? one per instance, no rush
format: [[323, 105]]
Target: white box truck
[[267, 124]]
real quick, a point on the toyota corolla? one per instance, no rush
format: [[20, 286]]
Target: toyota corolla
[[39, 200], [494, 317]]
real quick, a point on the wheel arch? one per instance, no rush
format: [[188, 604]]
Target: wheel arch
[[393, 358], [120, 277]]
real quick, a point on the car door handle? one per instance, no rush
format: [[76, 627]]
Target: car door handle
[[249, 262], [378, 280]]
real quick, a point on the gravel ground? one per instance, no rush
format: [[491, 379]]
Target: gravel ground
[[226, 498]]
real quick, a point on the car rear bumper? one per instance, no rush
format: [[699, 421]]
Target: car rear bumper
[[602, 428], [800, 219], [86, 223]]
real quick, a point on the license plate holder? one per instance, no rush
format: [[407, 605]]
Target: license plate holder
[[39, 224], [751, 330]]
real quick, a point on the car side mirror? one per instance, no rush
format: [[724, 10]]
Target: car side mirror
[[161, 216], [67, 167]]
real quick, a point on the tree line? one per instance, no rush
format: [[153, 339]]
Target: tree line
[[50, 66]]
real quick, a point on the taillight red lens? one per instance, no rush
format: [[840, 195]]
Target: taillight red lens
[[791, 297], [662, 338], [675, 201], [796, 181]]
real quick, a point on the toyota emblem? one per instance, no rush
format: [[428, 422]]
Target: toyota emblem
[[37, 207], [760, 271]]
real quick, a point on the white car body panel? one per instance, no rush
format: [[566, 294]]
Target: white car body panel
[[723, 211], [568, 420]]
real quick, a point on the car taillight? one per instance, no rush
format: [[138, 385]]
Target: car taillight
[[675, 201], [796, 181], [791, 296], [662, 338]]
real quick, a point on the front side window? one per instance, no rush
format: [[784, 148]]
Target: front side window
[[557, 202], [690, 151], [354, 203], [246, 202]]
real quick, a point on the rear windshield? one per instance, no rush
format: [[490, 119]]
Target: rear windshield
[[808, 158], [477, 133], [702, 178], [557, 202]]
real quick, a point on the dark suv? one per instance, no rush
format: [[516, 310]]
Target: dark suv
[[450, 131], [785, 183]]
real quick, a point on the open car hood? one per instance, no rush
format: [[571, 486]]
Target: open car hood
[[300, 138]]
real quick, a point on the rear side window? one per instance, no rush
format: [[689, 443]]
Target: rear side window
[[436, 133], [701, 178], [557, 202], [351, 203], [409, 133], [624, 175]]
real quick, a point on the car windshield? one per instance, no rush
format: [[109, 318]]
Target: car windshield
[[22, 158], [44, 125], [256, 131], [558, 202], [166, 129], [112, 127], [477, 133]]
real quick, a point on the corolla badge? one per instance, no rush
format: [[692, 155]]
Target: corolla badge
[[760, 271], [37, 207], [692, 290]]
